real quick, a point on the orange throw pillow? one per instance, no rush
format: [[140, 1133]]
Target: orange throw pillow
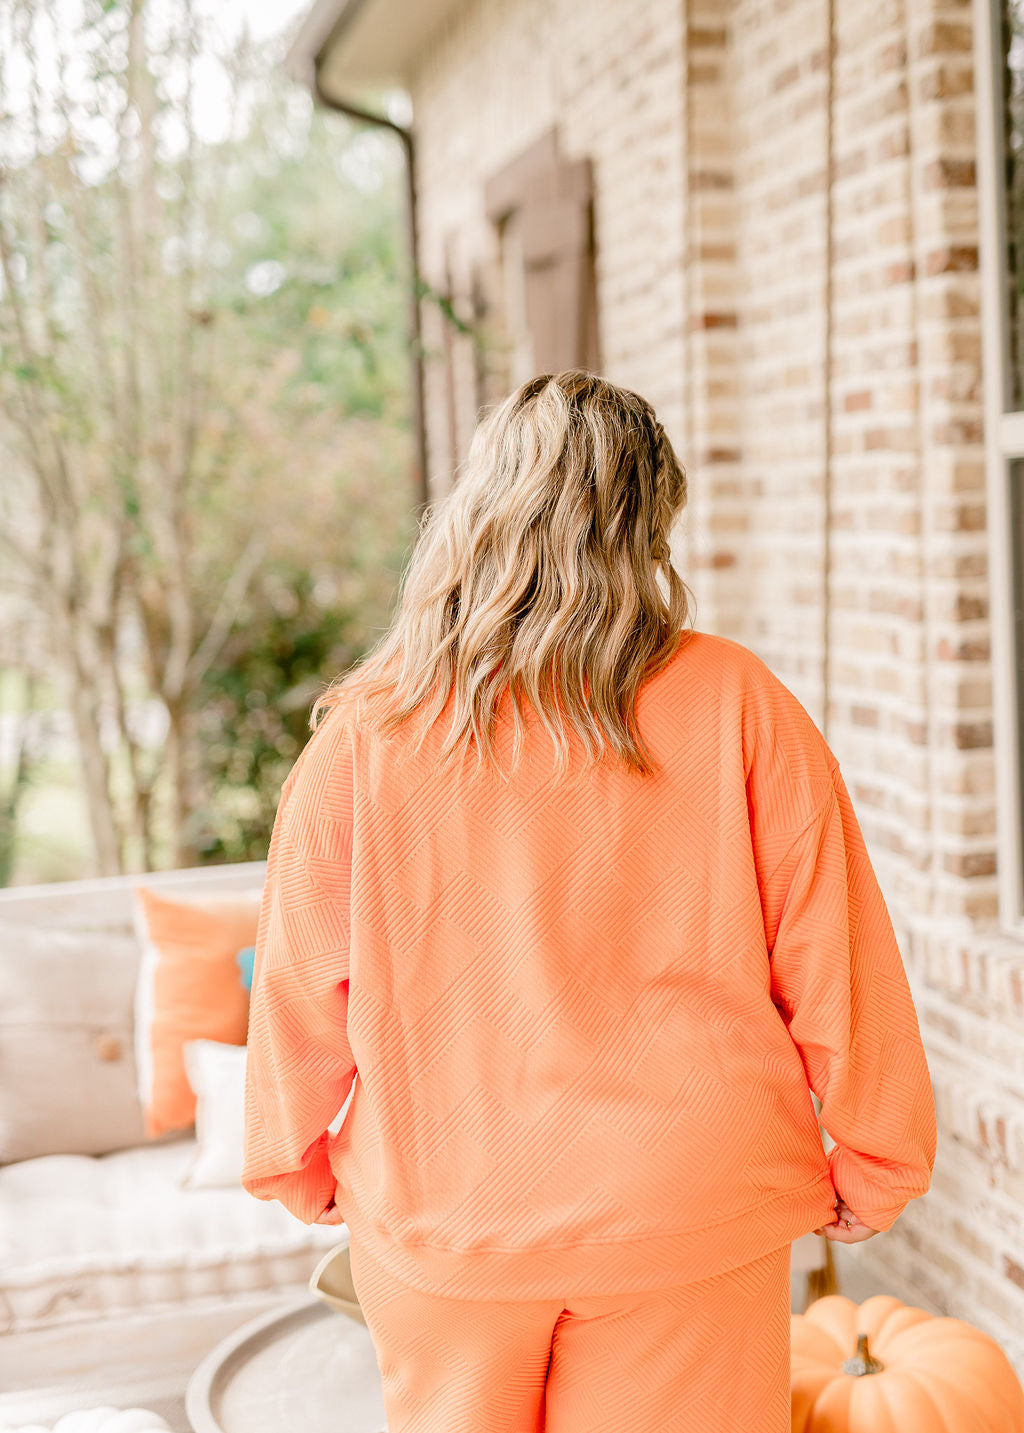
[[189, 989]]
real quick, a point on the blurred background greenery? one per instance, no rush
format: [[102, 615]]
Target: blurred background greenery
[[206, 446]]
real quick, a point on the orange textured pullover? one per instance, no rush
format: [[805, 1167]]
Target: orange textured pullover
[[584, 1015]]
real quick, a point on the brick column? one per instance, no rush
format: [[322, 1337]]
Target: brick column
[[713, 455]]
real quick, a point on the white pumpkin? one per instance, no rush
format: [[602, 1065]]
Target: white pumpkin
[[85, 1420], [103, 1420], [130, 1420]]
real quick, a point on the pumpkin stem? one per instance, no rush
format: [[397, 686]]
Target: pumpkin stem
[[862, 1361]]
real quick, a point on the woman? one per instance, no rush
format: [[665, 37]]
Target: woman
[[579, 901]]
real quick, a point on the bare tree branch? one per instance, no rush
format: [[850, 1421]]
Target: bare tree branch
[[227, 609]]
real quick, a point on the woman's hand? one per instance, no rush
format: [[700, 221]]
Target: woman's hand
[[847, 1229], [331, 1215]]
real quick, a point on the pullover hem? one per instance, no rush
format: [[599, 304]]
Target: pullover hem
[[595, 1267]]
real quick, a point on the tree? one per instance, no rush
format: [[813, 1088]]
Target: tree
[[202, 381]]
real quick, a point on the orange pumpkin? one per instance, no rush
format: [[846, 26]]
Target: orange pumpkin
[[887, 1367]]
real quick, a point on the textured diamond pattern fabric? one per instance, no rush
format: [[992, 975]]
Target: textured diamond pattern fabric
[[712, 1356], [584, 1014]]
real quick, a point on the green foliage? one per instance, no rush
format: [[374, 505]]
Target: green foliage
[[324, 386], [253, 719], [211, 330]]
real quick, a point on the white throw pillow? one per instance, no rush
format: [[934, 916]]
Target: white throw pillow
[[216, 1073]]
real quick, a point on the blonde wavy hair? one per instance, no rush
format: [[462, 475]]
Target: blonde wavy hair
[[535, 576]]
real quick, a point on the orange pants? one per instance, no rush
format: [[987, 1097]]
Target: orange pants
[[705, 1357]]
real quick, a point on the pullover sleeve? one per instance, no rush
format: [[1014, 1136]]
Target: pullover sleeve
[[838, 982], [299, 1065]]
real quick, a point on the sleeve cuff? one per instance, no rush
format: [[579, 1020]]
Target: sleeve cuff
[[305, 1192], [847, 1183]]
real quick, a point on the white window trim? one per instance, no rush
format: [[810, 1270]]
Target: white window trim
[[1004, 440]]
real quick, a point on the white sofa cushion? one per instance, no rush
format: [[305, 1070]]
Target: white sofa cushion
[[67, 1063], [81, 1236]]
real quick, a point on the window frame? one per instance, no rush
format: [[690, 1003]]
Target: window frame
[[1004, 442]]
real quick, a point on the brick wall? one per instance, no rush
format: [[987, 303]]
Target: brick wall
[[610, 77], [786, 227]]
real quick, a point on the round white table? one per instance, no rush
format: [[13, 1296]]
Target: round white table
[[303, 1366], [312, 1366]]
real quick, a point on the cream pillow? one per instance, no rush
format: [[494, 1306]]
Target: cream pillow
[[67, 1065]]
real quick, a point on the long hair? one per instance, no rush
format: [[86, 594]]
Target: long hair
[[535, 577]]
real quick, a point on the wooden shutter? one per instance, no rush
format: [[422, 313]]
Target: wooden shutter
[[548, 200]]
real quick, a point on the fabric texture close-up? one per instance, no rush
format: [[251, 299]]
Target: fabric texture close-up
[[556, 1365], [584, 1016]]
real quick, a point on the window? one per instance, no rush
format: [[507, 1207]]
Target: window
[[999, 77]]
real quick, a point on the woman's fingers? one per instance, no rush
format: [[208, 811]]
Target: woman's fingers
[[331, 1215], [839, 1233], [854, 1232], [846, 1228]]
